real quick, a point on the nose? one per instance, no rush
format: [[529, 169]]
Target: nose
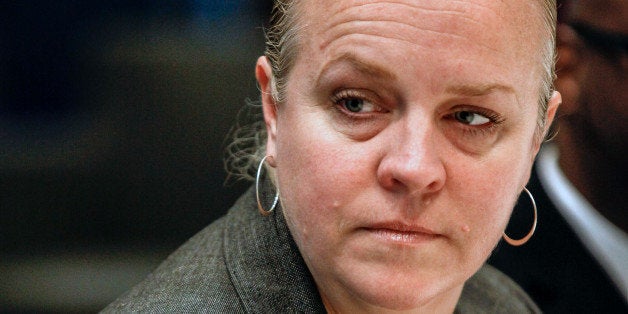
[[412, 161]]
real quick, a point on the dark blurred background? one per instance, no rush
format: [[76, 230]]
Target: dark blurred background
[[113, 119]]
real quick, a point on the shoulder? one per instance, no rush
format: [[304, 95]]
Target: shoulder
[[490, 291], [193, 278]]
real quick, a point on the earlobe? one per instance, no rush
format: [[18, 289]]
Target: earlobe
[[263, 74]]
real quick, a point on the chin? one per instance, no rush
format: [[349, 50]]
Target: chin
[[411, 299], [396, 292]]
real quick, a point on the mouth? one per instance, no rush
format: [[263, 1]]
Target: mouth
[[402, 233]]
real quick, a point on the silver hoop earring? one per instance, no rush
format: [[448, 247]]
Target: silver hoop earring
[[525, 239], [259, 203]]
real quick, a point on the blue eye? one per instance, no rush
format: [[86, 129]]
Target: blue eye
[[356, 102], [353, 104], [471, 118], [358, 105]]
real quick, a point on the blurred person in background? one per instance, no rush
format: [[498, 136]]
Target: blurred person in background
[[578, 260]]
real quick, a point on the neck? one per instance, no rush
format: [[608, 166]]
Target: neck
[[595, 173]]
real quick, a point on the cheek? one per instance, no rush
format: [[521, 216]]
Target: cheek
[[317, 172], [484, 194]]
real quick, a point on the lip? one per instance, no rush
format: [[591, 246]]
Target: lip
[[401, 233]]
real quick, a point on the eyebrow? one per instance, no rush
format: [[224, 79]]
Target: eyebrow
[[377, 71], [368, 68], [479, 90]]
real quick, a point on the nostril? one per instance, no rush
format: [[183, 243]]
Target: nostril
[[413, 165], [390, 183], [434, 186], [396, 184]]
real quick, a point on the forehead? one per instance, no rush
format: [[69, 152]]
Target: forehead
[[505, 35], [509, 26], [522, 15]]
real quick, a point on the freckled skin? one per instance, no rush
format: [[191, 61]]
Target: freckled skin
[[343, 175]]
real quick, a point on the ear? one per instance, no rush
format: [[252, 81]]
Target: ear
[[569, 49], [552, 106], [263, 74]]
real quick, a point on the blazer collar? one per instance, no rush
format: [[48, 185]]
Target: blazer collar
[[264, 263]]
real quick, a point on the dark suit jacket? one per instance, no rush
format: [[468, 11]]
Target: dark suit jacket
[[554, 267], [244, 262]]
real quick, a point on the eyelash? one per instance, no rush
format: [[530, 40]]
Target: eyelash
[[343, 95], [494, 118]]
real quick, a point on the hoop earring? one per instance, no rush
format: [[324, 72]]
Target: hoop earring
[[525, 239], [259, 203]]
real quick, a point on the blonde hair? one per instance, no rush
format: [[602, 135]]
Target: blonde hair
[[548, 63], [282, 42]]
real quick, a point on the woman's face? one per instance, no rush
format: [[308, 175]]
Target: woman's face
[[407, 133]]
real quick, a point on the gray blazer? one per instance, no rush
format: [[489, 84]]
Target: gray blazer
[[247, 263]]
